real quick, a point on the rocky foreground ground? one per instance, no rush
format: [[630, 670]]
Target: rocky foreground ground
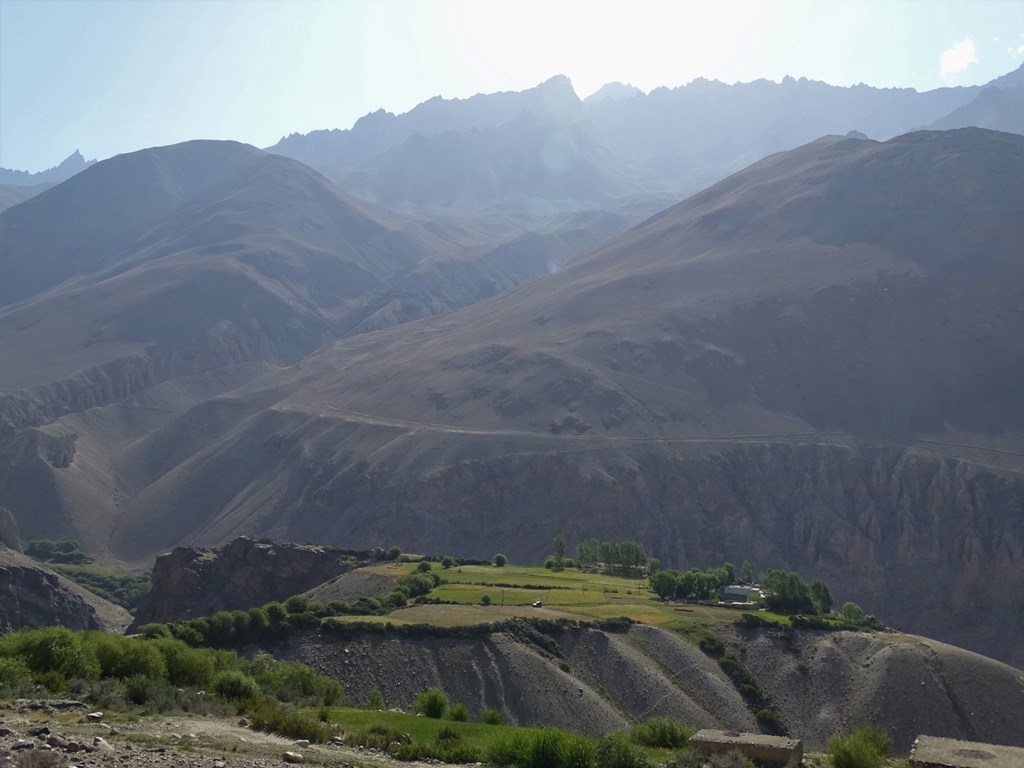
[[62, 734]]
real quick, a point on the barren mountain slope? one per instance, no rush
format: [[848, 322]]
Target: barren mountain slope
[[175, 261], [822, 683], [786, 368]]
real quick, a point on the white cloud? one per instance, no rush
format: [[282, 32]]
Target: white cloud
[[957, 58]]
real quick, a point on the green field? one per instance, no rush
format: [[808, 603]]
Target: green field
[[569, 593], [426, 729]]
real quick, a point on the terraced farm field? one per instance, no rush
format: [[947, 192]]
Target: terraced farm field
[[569, 593]]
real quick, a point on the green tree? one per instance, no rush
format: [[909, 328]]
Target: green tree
[[500, 560], [853, 614], [664, 584], [588, 553], [559, 545], [821, 595], [786, 593], [447, 561], [653, 565], [424, 566], [746, 575]]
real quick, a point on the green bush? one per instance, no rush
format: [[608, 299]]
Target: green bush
[[500, 560], [15, 675], [458, 713], [185, 665], [553, 748], [432, 702], [157, 695], [53, 652], [124, 657], [661, 732], [615, 751], [491, 716], [731, 759], [272, 717], [235, 686], [376, 700], [377, 736], [867, 747], [507, 750]]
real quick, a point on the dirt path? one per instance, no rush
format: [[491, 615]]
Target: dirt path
[[27, 729]]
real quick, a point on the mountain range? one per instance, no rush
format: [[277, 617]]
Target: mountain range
[[489, 322]]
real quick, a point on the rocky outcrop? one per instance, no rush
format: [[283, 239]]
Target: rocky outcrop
[[34, 596], [9, 535], [190, 581]]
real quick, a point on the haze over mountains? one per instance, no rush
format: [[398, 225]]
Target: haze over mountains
[[813, 363], [628, 144]]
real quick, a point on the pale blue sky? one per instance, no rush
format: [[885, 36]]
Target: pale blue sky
[[108, 76]]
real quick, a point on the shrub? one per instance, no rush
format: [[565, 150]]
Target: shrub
[[458, 713], [853, 613], [296, 604], [491, 716], [448, 561], [508, 750], [424, 566], [432, 702], [377, 736], [615, 751], [712, 646], [52, 652], [156, 694], [376, 700], [185, 665], [661, 732], [14, 675], [235, 686], [866, 747], [125, 657], [272, 717], [500, 560], [154, 631], [731, 759], [485, 600]]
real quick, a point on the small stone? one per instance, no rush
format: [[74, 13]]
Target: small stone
[[219, 764], [23, 744], [293, 757], [94, 717], [56, 741], [301, 743], [41, 730], [102, 745], [244, 723]]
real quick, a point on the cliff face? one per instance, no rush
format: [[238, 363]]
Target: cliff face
[[195, 582], [933, 545], [33, 596]]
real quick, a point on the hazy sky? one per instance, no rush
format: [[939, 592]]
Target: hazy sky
[[108, 76]]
